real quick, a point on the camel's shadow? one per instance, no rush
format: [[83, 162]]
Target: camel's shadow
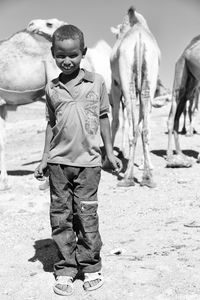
[[160, 152], [187, 152]]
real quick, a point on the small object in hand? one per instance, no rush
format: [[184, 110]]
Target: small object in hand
[[44, 186]]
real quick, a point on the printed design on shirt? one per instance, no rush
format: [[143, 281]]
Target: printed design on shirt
[[55, 97], [92, 113]]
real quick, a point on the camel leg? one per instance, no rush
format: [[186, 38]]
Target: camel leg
[[124, 126], [4, 176], [192, 123], [192, 110], [133, 133], [170, 125], [147, 178], [179, 160], [190, 130], [179, 111], [184, 128], [115, 104], [114, 98], [180, 80]]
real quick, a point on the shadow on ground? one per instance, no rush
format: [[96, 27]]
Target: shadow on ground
[[187, 152], [20, 172], [46, 252], [124, 161]]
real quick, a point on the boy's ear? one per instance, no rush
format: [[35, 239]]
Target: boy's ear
[[52, 52], [84, 51]]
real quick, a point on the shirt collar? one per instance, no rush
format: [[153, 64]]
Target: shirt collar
[[88, 76]]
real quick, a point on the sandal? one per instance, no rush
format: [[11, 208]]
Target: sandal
[[63, 285], [89, 277]]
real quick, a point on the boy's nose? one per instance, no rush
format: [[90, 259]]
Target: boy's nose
[[67, 60]]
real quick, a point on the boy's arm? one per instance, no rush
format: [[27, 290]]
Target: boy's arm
[[48, 137], [40, 170], [106, 137]]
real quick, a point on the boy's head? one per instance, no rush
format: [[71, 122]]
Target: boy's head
[[68, 48], [66, 32]]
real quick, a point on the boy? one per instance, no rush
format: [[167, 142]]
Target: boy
[[77, 106]]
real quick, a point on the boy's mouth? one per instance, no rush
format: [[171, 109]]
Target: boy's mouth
[[67, 68]]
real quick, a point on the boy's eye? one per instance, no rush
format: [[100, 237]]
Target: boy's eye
[[60, 56], [73, 55]]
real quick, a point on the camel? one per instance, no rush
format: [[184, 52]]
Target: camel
[[97, 60], [186, 83], [135, 61], [29, 52], [23, 75], [161, 98]]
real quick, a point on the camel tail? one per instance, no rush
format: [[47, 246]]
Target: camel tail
[[131, 11], [140, 66]]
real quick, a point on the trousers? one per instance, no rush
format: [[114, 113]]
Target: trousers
[[74, 218]]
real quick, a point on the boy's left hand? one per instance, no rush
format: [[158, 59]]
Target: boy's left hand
[[116, 163]]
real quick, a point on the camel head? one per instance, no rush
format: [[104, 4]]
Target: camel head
[[44, 28]]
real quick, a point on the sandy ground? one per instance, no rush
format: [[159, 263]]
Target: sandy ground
[[147, 253]]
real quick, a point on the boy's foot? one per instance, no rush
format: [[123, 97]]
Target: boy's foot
[[92, 281], [63, 285]]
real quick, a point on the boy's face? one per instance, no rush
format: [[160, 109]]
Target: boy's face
[[68, 55]]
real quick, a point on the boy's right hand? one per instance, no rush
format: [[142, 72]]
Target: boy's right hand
[[40, 171]]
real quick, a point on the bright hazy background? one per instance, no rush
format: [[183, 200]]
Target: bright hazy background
[[173, 22]]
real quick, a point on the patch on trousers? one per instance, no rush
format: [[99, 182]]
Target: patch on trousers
[[89, 217]]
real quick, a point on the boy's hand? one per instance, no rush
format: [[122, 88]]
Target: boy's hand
[[116, 163], [40, 171]]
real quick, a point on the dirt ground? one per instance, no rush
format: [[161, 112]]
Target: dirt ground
[[147, 253]]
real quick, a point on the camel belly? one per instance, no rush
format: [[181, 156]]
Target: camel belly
[[23, 76], [21, 97], [22, 83]]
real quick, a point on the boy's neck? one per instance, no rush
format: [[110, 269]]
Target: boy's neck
[[67, 78]]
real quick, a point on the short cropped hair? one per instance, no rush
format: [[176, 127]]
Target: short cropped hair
[[66, 32]]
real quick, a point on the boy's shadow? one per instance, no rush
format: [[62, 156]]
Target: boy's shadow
[[46, 252]]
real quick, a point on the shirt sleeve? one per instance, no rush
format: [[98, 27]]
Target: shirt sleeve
[[104, 99], [49, 110]]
